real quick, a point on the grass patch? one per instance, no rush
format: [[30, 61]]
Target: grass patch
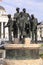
[[41, 55], [41, 45]]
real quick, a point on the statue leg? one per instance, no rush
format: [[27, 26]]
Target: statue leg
[[32, 35], [13, 34], [21, 35], [10, 35], [36, 36], [29, 34]]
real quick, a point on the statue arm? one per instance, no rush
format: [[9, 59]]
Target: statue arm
[[39, 23], [7, 25], [29, 16]]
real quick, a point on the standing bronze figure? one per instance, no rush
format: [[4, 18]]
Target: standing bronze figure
[[34, 23], [9, 25], [15, 23], [27, 23], [21, 25]]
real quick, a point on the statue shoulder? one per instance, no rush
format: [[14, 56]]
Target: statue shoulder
[[36, 20]]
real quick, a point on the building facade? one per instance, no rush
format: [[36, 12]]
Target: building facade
[[3, 22], [40, 32]]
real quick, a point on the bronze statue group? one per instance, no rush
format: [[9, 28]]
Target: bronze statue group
[[23, 25]]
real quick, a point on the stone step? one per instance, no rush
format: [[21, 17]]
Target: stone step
[[22, 46], [25, 62]]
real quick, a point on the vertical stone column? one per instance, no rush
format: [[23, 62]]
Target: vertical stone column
[[18, 33], [4, 54], [2, 30]]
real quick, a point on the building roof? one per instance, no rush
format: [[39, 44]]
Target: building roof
[[2, 8]]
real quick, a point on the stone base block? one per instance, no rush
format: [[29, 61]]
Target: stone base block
[[25, 62], [27, 41]]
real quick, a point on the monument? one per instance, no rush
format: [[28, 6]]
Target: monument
[[22, 52]]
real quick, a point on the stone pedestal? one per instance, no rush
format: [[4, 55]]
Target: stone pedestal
[[27, 41], [26, 54], [23, 50]]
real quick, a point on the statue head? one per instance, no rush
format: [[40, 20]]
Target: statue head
[[9, 15], [17, 9], [24, 10], [32, 16], [21, 13]]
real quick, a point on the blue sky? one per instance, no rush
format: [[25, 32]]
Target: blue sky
[[32, 6]]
